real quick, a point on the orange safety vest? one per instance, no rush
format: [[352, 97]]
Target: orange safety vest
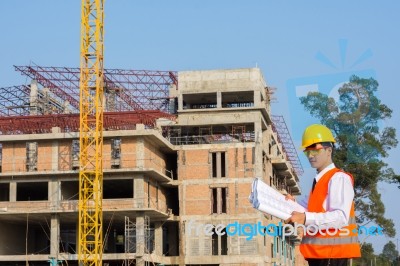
[[321, 246]]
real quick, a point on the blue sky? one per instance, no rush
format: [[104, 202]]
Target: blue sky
[[286, 40]]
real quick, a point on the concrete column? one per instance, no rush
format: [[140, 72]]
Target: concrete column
[[158, 238], [140, 239], [218, 164], [54, 156], [54, 194], [55, 150], [258, 149], [219, 200], [180, 102], [33, 98], [138, 191], [13, 191], [219, 99], [54, 235], [257, 98]]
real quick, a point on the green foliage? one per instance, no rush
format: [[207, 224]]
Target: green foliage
[[389, 256], [361, 143], [367, 255], [389, 252]]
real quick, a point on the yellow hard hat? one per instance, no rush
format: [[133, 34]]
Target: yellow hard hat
[[316, 133]]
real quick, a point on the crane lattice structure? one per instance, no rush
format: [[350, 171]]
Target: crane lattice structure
[[90, 239], [279, 126]]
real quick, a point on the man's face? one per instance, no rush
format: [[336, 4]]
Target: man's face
[[319, 156]]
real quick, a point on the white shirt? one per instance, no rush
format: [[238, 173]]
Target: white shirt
[[337, 203]]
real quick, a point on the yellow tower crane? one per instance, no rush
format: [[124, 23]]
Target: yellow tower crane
[[91, 134]]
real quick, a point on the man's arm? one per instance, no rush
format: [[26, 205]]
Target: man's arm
[[337, 204]]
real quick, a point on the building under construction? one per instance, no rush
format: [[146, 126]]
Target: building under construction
[[180, 153]]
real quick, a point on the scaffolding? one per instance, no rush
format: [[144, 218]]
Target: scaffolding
[[14, 100], [130, 241], [52, 100], [279, 126], [209, 134], [125, 90], [133, 239]]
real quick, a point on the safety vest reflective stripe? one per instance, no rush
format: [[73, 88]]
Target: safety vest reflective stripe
[[330, 240], [352, 220]]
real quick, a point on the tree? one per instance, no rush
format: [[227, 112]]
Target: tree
[[389, 252], [361, 143], [367, 255]]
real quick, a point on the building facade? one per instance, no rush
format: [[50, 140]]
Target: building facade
[[169, 192]]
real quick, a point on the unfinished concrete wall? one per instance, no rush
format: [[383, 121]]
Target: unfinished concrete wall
[[203, 199], [15, 152], [128, 152], [107, 153], [222, 80], [241, 161], [193, 164], [238, 198], [154, 195], [65, 156], [45, 156], [154, 158], [197, 200], [200, 243]]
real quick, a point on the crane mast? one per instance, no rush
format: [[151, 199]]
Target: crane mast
[[91, 134]]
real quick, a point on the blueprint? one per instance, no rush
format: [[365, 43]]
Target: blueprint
[[266, 199]]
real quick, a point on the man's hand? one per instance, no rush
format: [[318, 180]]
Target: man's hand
[[290, 197], [297, 217]]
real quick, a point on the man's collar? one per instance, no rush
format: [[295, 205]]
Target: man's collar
[[326, 169]]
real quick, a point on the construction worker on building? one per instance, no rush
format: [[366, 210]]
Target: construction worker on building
[[330, 205]]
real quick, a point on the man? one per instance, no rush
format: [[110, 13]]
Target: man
[[330, 208]]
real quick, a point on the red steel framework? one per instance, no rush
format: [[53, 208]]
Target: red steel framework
[[14, 100], [36, 124], [134, 89], [135, 96], [279, 126]]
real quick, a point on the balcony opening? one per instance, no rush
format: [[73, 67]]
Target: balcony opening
[[237, 99], [191, 135], [32, 191], [170, 239], [173, 200], [1, 157], [200, 100], [69, 190], [214, 200], [118, 189], [219, 242], [218, 164], [219, 200], [172, 165], [26, 236], [4, 191], [68, 238]]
